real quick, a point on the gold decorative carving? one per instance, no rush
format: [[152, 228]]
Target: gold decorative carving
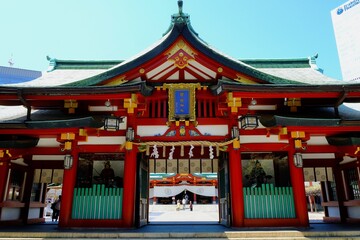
[[180, 53], [241, 79], [117, 81]]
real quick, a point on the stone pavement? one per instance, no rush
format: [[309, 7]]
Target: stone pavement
[[168, 213], [184, 224]]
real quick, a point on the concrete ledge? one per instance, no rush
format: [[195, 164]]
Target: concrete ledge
[[282, 234]]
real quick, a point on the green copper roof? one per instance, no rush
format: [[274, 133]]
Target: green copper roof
[[278, 63], [81, 64]]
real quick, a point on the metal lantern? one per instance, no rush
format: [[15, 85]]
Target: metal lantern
[[112, 123], [298, 160], [235, 132], [249, 121], [68, 161], [130, 134]]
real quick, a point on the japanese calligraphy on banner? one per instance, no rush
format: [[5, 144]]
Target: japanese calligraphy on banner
[[182, 101]]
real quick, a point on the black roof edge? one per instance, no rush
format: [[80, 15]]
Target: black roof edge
[[175, 32], [231, 63], [69, 90], [224, 85]]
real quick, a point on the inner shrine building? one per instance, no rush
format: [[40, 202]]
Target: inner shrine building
[[184, 111]]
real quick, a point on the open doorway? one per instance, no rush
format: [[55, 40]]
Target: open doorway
[[313, 198], [53, 194], [321, 194], [183, 191], [47, 189]]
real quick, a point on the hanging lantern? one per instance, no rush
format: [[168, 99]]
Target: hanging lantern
[[130, 134], [112, 123], [235, 132], [249, 122], [298, 160], [68, 161]]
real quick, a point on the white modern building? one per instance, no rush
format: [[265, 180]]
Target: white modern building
[[346, 22]]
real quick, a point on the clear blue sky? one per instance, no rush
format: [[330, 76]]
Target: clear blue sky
[[119, 29]]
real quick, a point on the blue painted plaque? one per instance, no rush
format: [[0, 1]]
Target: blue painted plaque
[[182, 102]]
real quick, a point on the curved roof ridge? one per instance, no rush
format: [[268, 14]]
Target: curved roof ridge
[[232, 62], [123, 66], [180, 26]]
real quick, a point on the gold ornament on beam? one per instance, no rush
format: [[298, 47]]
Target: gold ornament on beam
[[131, 103], [233, 103], [70, 104]]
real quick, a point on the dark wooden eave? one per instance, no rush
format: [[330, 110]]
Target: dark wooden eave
[[18, 96], [225, 85], [344, 140], [274, 121], [65, 123], [18, 141]]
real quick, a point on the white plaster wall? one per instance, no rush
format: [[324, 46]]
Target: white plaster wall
[[334, 212], [48, 157], [34, 213], [48, 142], [353, 212], [151, 130], [318, 155], [261, 139], [317, 140], [8, 214], [104, 140], [213, 130]]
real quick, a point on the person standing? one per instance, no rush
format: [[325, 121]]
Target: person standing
[[184, 203], [178, 205], [108, 175], [190, 205], [258, 175], [56, 209]]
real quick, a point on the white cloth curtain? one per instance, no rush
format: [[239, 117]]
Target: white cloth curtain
[[169, 191]]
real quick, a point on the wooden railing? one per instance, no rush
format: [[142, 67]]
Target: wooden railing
[[205, 108], [269, 202], [97, 202]]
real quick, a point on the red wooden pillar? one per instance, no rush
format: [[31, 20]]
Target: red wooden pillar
[[4, 170], [297, 182], [340, 190], [236, 190], [129, 187], [67, 194]]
